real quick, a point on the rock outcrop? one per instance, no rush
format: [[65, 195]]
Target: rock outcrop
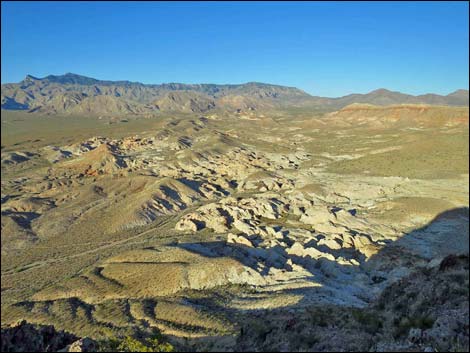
[[26, 337]]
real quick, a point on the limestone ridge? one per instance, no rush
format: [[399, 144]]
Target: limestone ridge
[[76, 95]]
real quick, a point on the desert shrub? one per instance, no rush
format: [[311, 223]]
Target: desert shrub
[[260, 329], [130, 344], [456, 346], [406, 323], [319, 317], [303, 340], [371, 321]]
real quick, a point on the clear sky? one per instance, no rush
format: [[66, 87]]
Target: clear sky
[[324, 48]]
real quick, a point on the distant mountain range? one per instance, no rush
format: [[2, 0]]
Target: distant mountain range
[[76, 94]]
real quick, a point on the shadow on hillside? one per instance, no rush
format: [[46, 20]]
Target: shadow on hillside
[[352, 286], [338, 285]]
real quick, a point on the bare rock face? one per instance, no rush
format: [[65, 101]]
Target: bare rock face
[[26, 337], [317, 215], [232, 238], [187, 224], [82, 345], [101, 160], [230, 212], [299, 250]]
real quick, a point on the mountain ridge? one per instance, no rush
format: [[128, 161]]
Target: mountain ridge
[[72, 93]]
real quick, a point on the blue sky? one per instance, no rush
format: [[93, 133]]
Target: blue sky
[[327, 49]]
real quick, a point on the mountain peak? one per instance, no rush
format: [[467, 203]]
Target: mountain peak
[[459, 92], [71, 78], [30, 77], [380, 91]]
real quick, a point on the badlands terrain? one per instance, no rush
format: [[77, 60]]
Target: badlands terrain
[[254, 217]]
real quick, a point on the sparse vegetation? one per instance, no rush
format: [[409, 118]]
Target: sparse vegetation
[[130, 344], [372, 321]]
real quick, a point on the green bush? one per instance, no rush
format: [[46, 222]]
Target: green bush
[[406, 323], [371, 321], [130, 344], [319, 317]]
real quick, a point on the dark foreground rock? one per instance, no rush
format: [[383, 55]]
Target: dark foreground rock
[[26, 337], [427, 311]]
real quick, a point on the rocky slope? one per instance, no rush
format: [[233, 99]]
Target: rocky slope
[[406, 115], [385, 97], [426, 311], [77, 94], [25, 337]]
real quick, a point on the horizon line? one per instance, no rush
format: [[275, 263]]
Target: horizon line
[[235, 84]]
